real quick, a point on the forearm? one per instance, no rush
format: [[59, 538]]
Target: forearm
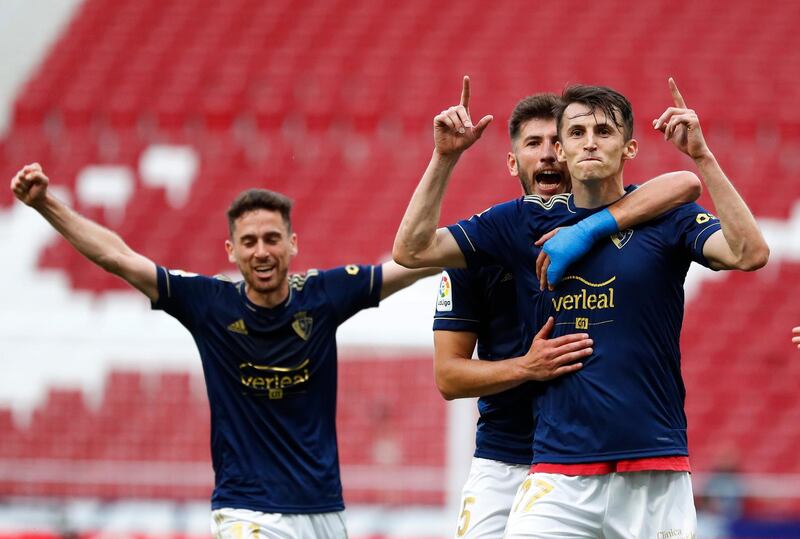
[[656, 197], [97, 243], [458, 378], [396, 277], [739, 227], [417, 232]]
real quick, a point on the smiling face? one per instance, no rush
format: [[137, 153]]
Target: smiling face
[[534, 161], [592, 145], [262, 246]]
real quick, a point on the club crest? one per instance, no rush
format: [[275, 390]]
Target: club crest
[[302, 325], [622, 237]]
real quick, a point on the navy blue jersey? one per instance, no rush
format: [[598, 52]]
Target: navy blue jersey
[[627, 293], [271, 380], [483, 301]]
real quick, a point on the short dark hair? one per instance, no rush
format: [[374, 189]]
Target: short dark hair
[[601, 98], [540, 106], [259, 199]]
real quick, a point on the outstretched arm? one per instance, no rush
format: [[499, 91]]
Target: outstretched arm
[[396, 277], [99, 244], [740, 244], [654, 198], [418, 242], [458, 375]]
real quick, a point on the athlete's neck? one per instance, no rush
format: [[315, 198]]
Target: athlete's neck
[[268, 299], [595, 193]]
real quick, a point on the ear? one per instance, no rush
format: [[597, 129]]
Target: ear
[[229, 249], [631, 149], [294, 249], [560, 152], [511, 163]]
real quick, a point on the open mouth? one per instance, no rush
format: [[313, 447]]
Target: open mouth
[[548, 179], [264, 272]]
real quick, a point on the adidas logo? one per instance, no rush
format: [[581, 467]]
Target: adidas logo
[[238, 327]]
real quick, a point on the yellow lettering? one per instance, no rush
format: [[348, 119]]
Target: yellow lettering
[[557, 303], [247, 381], [591, 302], [286, 381], [611, 295], [602, 301], [568, 302], [259, 383]]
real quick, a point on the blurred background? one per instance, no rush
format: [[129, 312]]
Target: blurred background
[[150, 115]]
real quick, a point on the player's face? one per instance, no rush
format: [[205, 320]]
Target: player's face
[[534, 161], [262, 247], [591, 145]]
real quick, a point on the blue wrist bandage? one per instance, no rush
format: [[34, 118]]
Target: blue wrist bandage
[[572, 242]]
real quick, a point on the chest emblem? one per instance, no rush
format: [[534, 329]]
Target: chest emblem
[[302, 325], [238, 327], [622, 237]]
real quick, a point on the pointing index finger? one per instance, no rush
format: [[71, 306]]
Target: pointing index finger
[[465, 93], [676, 94]]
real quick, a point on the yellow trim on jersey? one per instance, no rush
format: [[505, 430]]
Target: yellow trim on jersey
[[697, 238], [588, 283], [466, 236], [298, 280], [276, 369], [563, 198]]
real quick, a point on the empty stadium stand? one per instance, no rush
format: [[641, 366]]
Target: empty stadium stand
[[146, 430], [331, 102]]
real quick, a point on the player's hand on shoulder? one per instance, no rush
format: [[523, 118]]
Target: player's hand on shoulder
[[681, 126], [453, 130], [30, 184], [550, 358]]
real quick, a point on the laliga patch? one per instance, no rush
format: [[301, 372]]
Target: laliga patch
[[622, 237], [444, 301]]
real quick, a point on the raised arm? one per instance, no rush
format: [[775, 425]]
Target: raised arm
[[656, 197], [396, 277], [740, 244], [99, 244], [418, 242], [458, 376]]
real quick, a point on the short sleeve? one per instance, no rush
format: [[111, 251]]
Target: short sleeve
[[458, 302], [692, 225], [183, 295], [352, 288], [491, 237]]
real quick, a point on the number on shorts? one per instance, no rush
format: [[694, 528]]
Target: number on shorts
[[463, 518], [239, 531], [542, 488]]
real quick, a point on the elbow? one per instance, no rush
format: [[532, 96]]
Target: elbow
[[446, 393], [756, 259], [692, 187], [403, 256], [445, 389], [110, 263]]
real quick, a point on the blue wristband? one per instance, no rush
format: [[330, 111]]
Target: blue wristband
[[572, 242]]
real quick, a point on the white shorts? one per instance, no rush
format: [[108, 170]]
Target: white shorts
[[245, 524], [487, 497], [657, 505]]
